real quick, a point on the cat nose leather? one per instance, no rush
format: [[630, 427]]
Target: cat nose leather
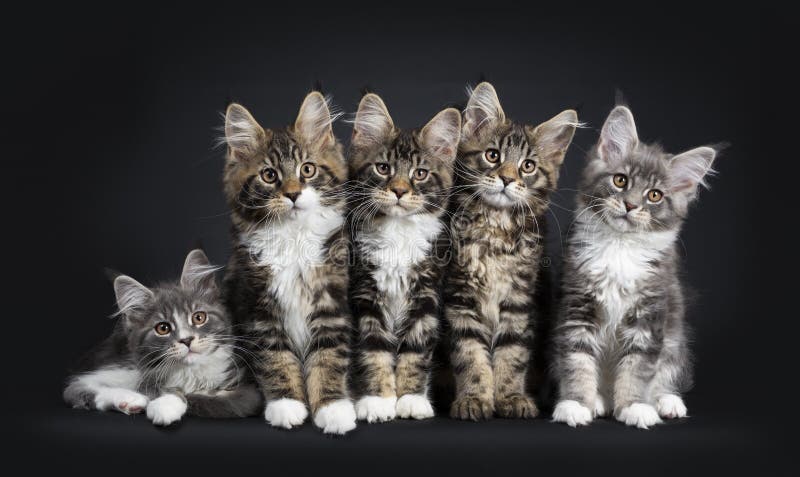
[[628, 206], [292, 195], [187, 341], [506, 180], [400, 191]]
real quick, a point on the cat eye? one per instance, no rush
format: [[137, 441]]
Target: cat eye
[[382, 168], [620, 180], [420, 174], [269, 176], [308, 170], [163, 328], [199, 318], [655, 195], [528, 166], [492, 155]]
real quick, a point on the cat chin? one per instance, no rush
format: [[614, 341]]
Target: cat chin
[[498, 199]]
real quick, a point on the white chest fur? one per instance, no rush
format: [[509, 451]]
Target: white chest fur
[[208, 373], [293, 249], [616, 263], [394, 246]]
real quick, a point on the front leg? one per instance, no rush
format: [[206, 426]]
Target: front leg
[[414, 358], [280, 376], [510, 362], [641, 341], [328, 362], [168, 408]]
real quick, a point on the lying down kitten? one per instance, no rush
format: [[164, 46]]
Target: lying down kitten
[[171, 352]]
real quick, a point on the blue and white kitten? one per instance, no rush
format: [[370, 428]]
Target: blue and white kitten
[[171, 351], [620, 338]]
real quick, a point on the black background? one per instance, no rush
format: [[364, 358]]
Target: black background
[[111, 163]]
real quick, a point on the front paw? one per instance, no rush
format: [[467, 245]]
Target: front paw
[[572, 413], [122, 400], [338, 417], [285, 413], [376, 408], [600, 406], [516, 406], [166, 409], [414, 406], [671, 406], [640, 415], [472, 408]]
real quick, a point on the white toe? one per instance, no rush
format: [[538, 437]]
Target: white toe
[[600, 406], [285, 413], [670, 406], [376, 408], [122, 400], [572, 413], [414, 406], [166, 409], [640, 415], [338, 417]]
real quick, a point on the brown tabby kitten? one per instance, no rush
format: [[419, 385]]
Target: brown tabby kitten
[[504, 175], [401, 181], [287, 279]]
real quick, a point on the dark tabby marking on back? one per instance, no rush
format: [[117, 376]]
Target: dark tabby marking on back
[[287, 280], [399, 195], [620, 338], [504, 175]]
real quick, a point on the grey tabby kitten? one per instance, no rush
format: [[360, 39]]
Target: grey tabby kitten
[[505, 173], [171, 352], [620, 340], [401, 183]]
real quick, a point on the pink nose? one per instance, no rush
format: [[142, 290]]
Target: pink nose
[[628, 206]]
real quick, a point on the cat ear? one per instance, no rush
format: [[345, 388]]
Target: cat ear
[[132, 296], [553, 137], [314, 122], [618, 137], [483, 109], [689, 169], [242, 133], [373, 124], [441, 135], [198, 272]]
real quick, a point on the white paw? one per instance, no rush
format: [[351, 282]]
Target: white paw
[[376, 408], [671, 406], [640, 415], [166, 409], [600, 406], [337, 417], [122, 400], [285, 413], [572, 413], [414, 406]]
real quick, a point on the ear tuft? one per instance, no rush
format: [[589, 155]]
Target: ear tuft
[[441, 135], [198, 271], [373, 124], [618, 136], [690, 169], [483, 109], [132, 296], [242, 132], [314, 121]]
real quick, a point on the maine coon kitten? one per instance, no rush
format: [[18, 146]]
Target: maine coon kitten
[[504, 174], [171, 352], [401, 183], [620, 339], [288, 278]]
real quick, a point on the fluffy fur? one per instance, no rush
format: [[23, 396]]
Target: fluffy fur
[[620, 339], [171, 351], [505, 173], [287, 280]]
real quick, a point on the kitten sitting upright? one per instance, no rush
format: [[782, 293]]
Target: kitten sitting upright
[[401, 183], [287, 280], [171, 351], [505, 172], [620, 339]]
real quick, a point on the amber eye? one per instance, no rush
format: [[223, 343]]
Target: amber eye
[[163, 328], [382, 168], [269, 176], [655, 195], [620, 180], [528, 166], [199, 318], [308, 170], [420, 174], [492, 155]]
